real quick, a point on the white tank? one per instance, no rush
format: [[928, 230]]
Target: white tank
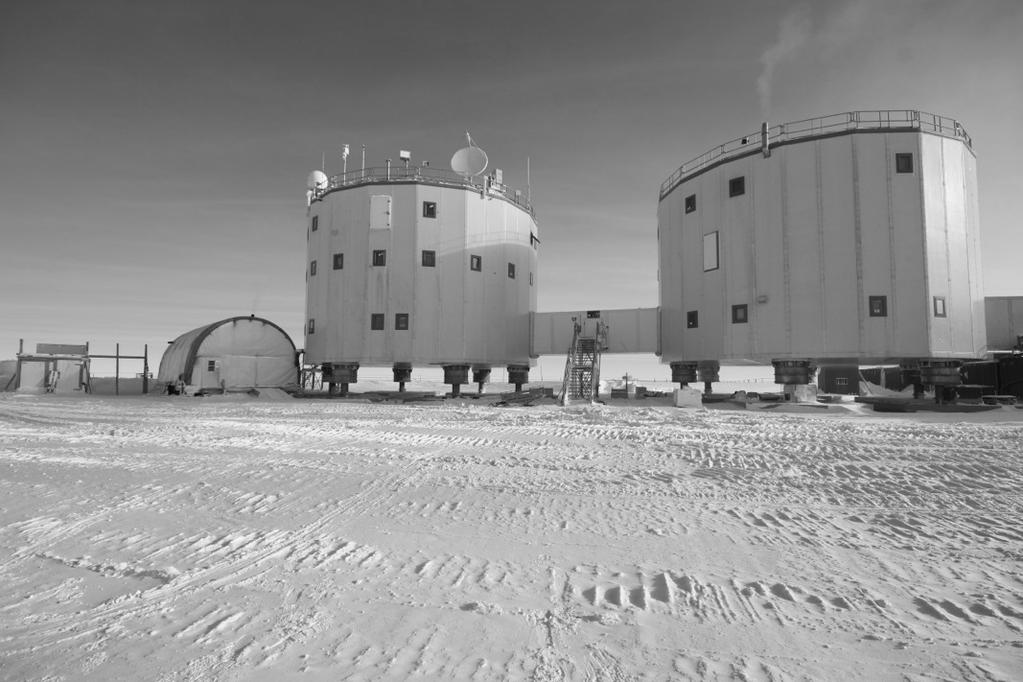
[[847, 238], [419, 266]]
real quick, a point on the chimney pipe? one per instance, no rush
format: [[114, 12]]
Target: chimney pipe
[[765, 143]]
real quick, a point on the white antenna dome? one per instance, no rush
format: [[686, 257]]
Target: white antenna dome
[[317, 180], [469, 160]]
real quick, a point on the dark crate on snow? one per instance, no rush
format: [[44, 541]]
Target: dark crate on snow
[[844, 380], [1010, 375]]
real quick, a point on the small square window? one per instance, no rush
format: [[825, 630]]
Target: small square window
[[710, 252], [211, 365], [339, 261], [312, 326], [376, 321], [740, 314], [690, 203], [476, 263], [429, 259], [878, 306], [904, 163], [316, 223], [737, 186], [429, 209], [511, 270], [939, 307], [692, 319], [312, 268], [401, 321], [379, 258]]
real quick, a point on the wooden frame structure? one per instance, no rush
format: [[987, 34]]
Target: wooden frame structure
[[52, 353]]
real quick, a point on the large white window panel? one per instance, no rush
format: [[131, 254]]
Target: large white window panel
[[380, 212], [710, 251]]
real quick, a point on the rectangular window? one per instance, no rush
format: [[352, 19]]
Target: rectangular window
[[692, 319], [476, 263], [939, 307], [878, 306], [737, 186], [429, 209], [339, 261], [710, 252], [740, 314], [429, 259], [211, 365], [401, 321], [312, 268], [904, 163], [511, 270], [379, 258], [316, 222], [690, 203], [376, 321], [841, 381], [312, 326]]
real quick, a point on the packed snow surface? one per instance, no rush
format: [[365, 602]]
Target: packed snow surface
[[236, 539]]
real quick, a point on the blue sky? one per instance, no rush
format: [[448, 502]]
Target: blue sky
[[153, 156]]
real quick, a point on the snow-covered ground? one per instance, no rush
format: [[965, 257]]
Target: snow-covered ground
[[232, 538]]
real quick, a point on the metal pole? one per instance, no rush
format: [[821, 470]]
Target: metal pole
[[117, 369], [17, 371], [145, 369], [363, 161]]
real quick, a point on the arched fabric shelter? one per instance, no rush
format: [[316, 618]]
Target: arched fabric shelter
[[236, 354]]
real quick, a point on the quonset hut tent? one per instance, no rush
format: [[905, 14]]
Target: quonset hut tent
[[236, 354]]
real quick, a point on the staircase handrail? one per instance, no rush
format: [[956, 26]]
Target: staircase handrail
[[600, 344], [569, 362]]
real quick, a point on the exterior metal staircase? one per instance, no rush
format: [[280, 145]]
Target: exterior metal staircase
[[582, 364]]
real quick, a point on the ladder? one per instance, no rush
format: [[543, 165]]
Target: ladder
[[582, 364]]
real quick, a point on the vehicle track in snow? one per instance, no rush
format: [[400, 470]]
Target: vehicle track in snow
[[218, 539]]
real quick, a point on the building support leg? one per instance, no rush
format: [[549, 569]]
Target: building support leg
[[792, 374], [944, 375], [518, 375], [480, 376], [338, 375], [455, 376], [709, 373], [402, 372], [683, 373]]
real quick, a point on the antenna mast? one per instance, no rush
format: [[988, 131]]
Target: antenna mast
[[529, 186]]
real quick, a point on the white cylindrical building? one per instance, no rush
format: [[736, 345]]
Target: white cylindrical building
[[419, 266], [847, 239]]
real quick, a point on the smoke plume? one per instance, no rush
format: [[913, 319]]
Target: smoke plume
[[793, 32]]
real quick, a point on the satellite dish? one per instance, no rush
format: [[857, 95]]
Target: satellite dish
[[317, 180], [469, 160]]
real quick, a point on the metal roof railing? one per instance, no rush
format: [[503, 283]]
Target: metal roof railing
[[427, 175], [850, 121]]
